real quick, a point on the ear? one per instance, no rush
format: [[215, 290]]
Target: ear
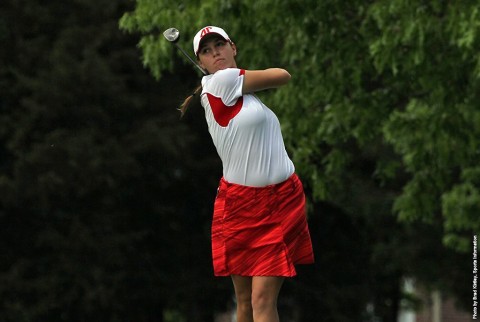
[[234, 48]]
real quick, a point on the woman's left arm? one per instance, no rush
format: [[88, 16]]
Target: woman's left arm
[[257, 80]]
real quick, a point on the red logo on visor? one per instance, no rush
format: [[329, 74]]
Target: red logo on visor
[[205, 31]]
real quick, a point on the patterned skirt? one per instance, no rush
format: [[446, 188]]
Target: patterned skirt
[[260, 231]]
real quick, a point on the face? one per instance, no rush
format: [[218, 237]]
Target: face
[[216, 54]]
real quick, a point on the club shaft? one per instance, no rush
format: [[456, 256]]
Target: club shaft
[[189, 58]]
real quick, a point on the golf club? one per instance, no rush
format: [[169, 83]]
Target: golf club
[[172, 35]]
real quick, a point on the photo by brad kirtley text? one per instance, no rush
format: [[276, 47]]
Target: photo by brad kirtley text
[[475, 277]]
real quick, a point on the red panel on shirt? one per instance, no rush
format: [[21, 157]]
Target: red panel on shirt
[[221, 112]]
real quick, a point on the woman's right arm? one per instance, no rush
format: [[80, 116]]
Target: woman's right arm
[[257, 80]]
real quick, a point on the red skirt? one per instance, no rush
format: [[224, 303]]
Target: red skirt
[[260, 231]]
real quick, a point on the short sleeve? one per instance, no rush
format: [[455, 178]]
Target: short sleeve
[[227, 84]]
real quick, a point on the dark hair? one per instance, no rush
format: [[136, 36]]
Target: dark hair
[[186, 103]]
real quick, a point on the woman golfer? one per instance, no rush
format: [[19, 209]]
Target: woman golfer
[[259, 228]]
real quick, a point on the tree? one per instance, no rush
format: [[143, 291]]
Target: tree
[[93, 170], [381, 116], [398, 75]]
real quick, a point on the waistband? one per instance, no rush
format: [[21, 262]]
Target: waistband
[[293, 180]]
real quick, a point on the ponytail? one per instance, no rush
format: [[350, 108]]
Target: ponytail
[[186, 103]]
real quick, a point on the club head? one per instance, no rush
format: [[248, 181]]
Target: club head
[[172, 34]]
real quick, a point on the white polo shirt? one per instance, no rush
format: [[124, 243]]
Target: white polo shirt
[[245, 132]]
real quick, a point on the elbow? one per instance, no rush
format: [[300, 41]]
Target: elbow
[[284, 76]]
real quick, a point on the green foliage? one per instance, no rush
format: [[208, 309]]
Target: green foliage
[[435, 47], [399, 75], [381, 115], [461, 206], [92, 173], [105, 197]]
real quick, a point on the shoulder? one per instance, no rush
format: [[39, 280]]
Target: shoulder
[[227, 74], [225, 80], [225, 84]]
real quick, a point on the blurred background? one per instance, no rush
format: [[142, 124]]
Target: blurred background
[[106, 195]]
